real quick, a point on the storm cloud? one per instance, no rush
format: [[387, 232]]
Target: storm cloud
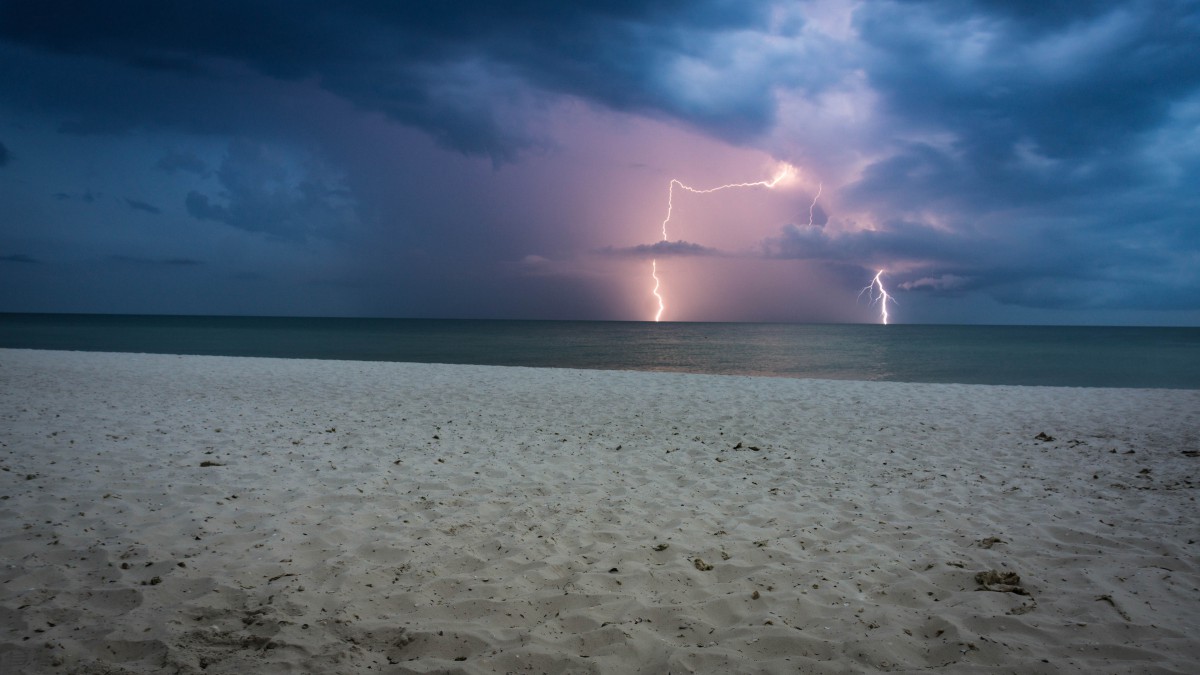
[[462, 72], [263, 192], [1038, 155], [139, 205], [662, 249]]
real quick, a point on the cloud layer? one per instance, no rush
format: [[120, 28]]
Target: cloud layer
[[1042, 156]]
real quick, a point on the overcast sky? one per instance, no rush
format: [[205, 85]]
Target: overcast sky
[[1001, 162]]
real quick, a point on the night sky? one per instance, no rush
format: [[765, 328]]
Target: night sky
[[1002, 162]]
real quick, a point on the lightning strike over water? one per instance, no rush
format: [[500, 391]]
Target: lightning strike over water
[[784, 173], [882, 297], [654, 273]]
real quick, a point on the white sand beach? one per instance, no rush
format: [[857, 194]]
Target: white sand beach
[[183, 514]]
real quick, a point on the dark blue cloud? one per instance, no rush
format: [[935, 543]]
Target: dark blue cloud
[[662, 249], [139, 205], [18, 258], [1045, 268], [271, 193], [424, 64], [164, 262], [3, 155], [1083, 88], [181, 161], [87, 196], [1034, 16], [897, 242]]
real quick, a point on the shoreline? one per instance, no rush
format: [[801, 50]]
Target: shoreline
[[223, 514], [1125, 357], [600, 369]]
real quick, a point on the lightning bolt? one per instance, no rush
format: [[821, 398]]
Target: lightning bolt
[[786, 171], [882, 298], [813, 205], [661, 306], [783, 173]]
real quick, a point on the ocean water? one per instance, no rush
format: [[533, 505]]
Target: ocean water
[[1028, 355]]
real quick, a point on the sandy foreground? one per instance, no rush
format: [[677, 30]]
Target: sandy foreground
[[163, 514]]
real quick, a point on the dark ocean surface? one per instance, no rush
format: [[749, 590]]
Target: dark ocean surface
[[1073, 356]]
